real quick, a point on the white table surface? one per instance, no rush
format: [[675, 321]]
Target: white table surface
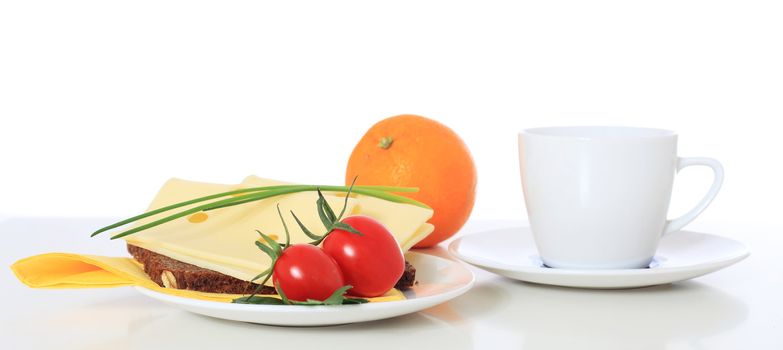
[[740, 307]]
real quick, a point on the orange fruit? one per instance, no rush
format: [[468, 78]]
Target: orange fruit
[[413, 151]]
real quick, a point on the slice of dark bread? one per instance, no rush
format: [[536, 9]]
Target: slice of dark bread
[[170, 273], [408, 278]]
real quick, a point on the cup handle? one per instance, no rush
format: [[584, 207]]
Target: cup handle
[[717, 169]]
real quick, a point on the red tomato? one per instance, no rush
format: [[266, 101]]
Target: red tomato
[[304, 272], [372, 263]]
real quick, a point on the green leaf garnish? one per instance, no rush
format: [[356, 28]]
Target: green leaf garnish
[[258, 300], [182, 204], [337, 298], [382, 192], [349, 301], [247, 195]]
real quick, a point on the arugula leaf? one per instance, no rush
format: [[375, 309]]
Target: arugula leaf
[[338, 296], [258, 300], [351, 301]]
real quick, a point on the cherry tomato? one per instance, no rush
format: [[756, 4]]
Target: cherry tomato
[[304, 272], [372, 262]]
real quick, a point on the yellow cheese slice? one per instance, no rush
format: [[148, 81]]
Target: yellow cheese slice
[[222, 240]]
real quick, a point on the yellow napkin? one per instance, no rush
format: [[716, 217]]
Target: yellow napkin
[[64, 271]]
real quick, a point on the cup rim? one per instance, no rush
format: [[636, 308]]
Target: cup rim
[[593, 132]]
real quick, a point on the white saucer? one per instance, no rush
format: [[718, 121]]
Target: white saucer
[[439, 280], [681, 255]]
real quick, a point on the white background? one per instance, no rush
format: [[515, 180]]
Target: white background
[[102, 101]]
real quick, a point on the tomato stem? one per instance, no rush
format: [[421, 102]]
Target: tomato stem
[[328, 218]]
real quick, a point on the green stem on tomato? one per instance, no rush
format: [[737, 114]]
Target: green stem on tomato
[[277, 252]]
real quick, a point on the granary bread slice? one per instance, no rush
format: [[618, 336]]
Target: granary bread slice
[[170, 273]]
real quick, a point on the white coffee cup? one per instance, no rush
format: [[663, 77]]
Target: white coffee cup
[[597, 197]]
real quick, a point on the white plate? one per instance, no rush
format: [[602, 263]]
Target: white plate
[[439, 280], [681, 255]]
